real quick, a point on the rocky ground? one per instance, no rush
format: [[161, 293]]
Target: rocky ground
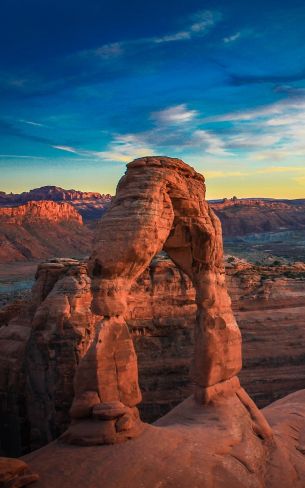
[[214, 446]]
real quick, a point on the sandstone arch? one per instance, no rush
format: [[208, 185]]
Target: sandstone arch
[[160, 203]]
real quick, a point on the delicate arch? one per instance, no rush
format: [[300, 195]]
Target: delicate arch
[[160, 203]]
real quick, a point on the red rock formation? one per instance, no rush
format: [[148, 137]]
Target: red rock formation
[[42, 229], [91, 205], [228, 431], [159, 203], [39, 211], [15, 473], [192, 446], [241, 217], [161, 316], [52, 193]]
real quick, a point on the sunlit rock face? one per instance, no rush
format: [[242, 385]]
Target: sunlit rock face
[[39, 230], [79, 347], [159, 204]]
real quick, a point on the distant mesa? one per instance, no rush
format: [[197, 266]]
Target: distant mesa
[[91, 205], [42, 229]]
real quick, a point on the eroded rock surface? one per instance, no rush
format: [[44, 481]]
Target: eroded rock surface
[[211, 447], [159, 203], [268, 302], [42, 229], [217, 437], [15, 473]]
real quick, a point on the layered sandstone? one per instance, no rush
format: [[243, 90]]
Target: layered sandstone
[[91, 205], [240, 217], [39, 211], [159, 205], [42, 229], [52, 193], [15, 473], [268, 302]]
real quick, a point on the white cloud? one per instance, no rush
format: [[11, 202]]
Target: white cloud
[[197, 25], [29, 122], [179, 114], [203, 19], [124, 148], [19, 156], [232, 38], [67, 149], [280, 107], [254, 140], [108, 51], [178, 36], [211, 142]]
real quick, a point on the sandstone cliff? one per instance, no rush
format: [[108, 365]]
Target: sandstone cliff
[[91, 205], [42, 229], [246, 216]]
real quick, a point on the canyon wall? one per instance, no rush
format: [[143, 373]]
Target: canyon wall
[[267, 301], [32, 212], [38, 230], [91, 205]]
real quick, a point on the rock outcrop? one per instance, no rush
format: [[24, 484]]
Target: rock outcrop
[[15, 473], [252, 216], [213, 446], [217, 437], [91, 205], [42, 229], [267, 301], [160, 203], [39, 211]]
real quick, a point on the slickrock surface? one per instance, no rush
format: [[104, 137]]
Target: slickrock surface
[[42, 229], [210, 447]]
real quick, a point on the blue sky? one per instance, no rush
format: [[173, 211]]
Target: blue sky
[[86, 86]]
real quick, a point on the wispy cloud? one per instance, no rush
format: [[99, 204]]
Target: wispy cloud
[[179, 114], [232, 38], [67, 149], [197, 25], [20, 156], [124, 148], [210, 142], [271, 132], [29, 122]]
